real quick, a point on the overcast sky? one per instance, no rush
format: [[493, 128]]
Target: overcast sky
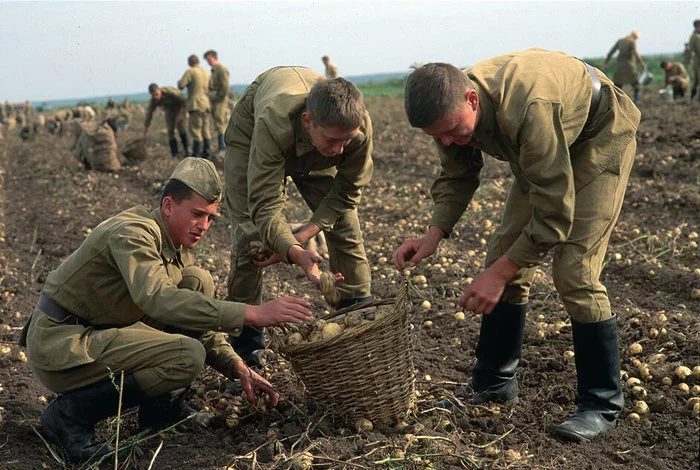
[[56, 50]]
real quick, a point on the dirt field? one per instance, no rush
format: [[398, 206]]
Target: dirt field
[[49, 203]]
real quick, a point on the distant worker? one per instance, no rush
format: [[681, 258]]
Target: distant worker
[[174, 104], [110, 104], [218, 95], [125, 104], [196, 79], [694, 45], [676, 77], [626, 67], [331, 69]]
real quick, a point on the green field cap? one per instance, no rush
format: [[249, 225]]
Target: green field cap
[[199, 174]]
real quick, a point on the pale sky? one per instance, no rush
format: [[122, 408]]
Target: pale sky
[[57, 50]]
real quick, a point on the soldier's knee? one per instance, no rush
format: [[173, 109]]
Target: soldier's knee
[[192, 356], [197, 279]]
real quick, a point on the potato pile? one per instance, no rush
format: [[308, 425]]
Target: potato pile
[[319, 329]]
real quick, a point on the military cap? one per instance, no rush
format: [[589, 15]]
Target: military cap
[[200, 175]]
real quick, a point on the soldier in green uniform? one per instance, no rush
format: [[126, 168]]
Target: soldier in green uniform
[[626, 66], [568, 135], [218, 95], [331, 69], [291, 122], [130, 299], [174, 104], [676, 77], [694, 46], [196, 79]]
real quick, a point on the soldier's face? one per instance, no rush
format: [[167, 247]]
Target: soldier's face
[[457, 127], [188, 221], [329, 141], [157, 94]]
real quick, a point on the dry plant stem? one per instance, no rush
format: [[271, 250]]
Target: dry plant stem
[[345, 462], [155, 454], [36, 259], [483, 446], [48, 446], [119, 415], [407, 458]]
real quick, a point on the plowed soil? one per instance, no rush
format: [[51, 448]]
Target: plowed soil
[[49, 204]]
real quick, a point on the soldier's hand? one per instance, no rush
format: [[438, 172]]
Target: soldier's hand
[[252, 381], [412, 251], [281, 310], [308, 260]]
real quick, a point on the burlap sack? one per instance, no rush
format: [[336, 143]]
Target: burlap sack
[[135, 151], [104, 146]]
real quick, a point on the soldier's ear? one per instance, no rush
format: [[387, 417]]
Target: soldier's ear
[[472, 99], [166, 206]]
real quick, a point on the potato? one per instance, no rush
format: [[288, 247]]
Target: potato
[[257, 251], [353, 319], [327, 283], [363, 425], [331, 330], [295, 338]]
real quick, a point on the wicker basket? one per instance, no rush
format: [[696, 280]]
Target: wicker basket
[[366, 371]]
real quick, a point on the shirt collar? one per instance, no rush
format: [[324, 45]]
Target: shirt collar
[[485, 127], [168, 250], [302, 141]]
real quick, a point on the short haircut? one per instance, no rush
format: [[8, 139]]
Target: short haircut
[[325, 57], [433, 91], [696, 23], [152, 88], [663, 64], [177, 190], [211, 52], [193, 60], [336, 103]]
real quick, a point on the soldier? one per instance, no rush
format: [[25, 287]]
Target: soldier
[[174, 104], [111, 105], [331, 69], [626, 68], [291, 122], [196, 79], [694, 46], [130, 300], [218, 95], [676, 77], [569, 136]]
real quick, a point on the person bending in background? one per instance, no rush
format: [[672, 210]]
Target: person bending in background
[[174, 103]]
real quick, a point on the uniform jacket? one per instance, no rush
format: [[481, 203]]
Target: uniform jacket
[[279, 146], [625, 68], [694, 45], [219, 84], [172, 100], [196, 79], [677, 69], [125, 272], [534, 105], [331, 70]]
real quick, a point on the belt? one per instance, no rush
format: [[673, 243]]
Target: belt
[[57, 312], [595, 96]]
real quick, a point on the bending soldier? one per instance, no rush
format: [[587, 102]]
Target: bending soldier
[[291, 122], [174, 104], [569, 137]]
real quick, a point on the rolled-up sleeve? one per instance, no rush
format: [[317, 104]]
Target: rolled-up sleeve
[[454, 187], [546, 164]]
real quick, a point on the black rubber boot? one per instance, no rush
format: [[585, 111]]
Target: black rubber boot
[[636, 96], [186, 143], [600, 398], [173, 148], [250, 345], [206, 150], [356, 300], [222, 145], [196, 148], [692, 93], [168, 409], [497, 358], [69, 420]]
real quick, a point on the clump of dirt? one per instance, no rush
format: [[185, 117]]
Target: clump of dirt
[[49, 204]]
